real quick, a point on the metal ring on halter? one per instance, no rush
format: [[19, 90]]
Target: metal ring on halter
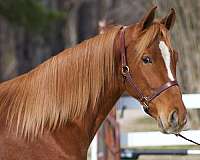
[[144, 102], [143, 99], [145, 105], [125, 69]]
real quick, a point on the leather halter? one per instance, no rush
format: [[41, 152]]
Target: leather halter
[[144, 100]]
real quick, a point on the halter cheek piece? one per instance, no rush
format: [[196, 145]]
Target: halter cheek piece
[[144, 100]]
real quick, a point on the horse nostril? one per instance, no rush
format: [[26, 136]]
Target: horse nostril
[[173, 119]]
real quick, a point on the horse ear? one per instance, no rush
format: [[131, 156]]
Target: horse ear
[[148, 18], [169, 20]]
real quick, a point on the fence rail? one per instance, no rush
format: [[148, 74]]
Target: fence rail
[[139, 139]]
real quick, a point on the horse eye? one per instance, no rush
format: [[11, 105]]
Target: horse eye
[[147, 60]]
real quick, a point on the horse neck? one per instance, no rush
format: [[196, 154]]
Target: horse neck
[[80, 132], [85, 128], [114, 91], [102, 109]]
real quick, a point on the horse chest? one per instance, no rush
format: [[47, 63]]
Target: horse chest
[[45, 148]]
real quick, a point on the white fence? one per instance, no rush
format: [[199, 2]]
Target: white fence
[[135, 139], [139, 139]]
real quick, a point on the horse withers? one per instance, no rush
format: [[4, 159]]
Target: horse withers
[[54, 111]]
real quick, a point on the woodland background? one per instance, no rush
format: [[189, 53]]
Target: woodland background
[[31, 31]]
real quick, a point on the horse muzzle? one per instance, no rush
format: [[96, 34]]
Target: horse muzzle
[[172, 124]]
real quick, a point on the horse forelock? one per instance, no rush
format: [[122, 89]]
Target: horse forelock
[[61, 89], [146, 38]]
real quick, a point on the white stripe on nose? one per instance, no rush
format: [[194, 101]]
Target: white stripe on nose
[[166, 56]]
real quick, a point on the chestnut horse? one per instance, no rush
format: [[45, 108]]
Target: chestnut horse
[[54, 111]]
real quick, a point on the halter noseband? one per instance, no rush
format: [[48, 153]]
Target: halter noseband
[[144, 100]]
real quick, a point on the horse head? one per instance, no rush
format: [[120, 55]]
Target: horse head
[[148, 67]]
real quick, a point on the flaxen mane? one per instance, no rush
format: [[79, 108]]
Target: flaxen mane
[[60, 89]]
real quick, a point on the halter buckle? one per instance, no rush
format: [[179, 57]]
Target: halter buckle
[[145, 105], [144, 102]]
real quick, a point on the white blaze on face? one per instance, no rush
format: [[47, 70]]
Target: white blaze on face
[[166, 56]]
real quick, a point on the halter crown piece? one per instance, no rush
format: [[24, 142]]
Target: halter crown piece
[[144, 100]]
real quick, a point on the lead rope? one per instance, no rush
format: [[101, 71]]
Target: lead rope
[[180, 135]]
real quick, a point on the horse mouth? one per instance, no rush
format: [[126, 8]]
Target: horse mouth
[[169, 129]]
